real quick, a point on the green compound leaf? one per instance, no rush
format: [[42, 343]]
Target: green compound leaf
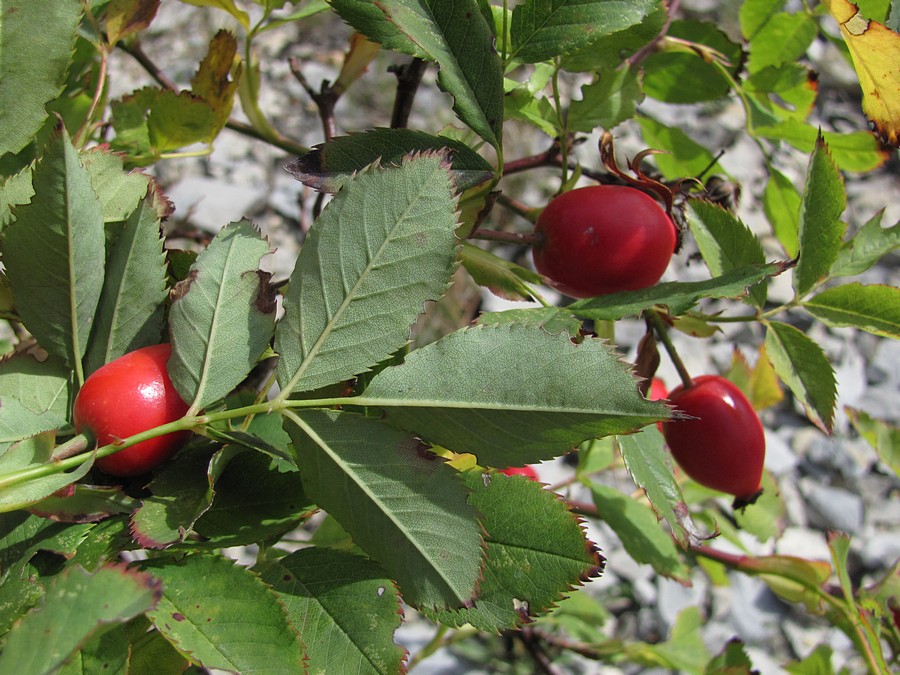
[[329, 165], [222, 317], [531, 562], [220, 615], [37, 38], [805, 369], [725, 243], [77, 606], [783, 38], [650, 467], [543, 29], [383, 247], [130, 314], [511, 394], [874, 309], [54, 253], [821, 231], [345, 608], [402, 506], [639, 531]]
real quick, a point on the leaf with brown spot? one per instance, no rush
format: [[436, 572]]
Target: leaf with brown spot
[[124, 17]]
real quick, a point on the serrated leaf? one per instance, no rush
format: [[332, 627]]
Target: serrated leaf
[[880, 434], [37, 38], [403, 508], [369, 19], [328, 166], [725, 243], [179, 119], [345, 608], [678, 296], [866, 247], [781, 203], [222, 317], [15, 190], [531, 562], [852, 151], [29, 453], [112, 594], [755, 13], [783, 38], [456, 36], [543, 29], [85, 504], [872, 308], [503, 278], [222, 616], [382, 248], [130, 313], [468, 392], [821, 231], [120, 191], [805, 369], [22, 535], [650, 467], [53, 253], [255, 502], [551, 319], [609, 100], [640, 533]]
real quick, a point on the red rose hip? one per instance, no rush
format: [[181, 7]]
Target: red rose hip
[[724, 448], [128, 396], [603, 239], [526, 471]]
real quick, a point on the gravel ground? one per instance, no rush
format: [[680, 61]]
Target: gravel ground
[[828, 482]]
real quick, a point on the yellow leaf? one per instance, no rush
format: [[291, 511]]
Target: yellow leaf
[[875, 50]]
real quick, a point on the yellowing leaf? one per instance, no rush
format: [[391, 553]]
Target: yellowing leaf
[[875, 50]]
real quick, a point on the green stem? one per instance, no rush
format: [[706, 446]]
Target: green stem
[[662, 332]]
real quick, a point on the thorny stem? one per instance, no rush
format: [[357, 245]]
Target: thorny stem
[[653, 318]]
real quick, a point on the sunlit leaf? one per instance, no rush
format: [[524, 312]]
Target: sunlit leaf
[[872, 308]]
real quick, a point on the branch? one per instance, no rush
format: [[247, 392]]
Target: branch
[[409, 77]]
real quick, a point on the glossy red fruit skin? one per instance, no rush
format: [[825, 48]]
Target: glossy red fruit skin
[[603, 239], [658, 390], [127, 396], [725, 447], [526, 471]]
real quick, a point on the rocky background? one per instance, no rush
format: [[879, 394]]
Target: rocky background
[[827, 482]]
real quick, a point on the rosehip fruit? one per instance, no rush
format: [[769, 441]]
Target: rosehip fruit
[[658, 390], [724, 448], [526, 471], [603, 239], [128, 396]]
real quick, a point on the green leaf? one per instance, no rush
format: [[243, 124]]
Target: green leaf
[[687, 76], [678, 296], [754, 14], [764, 518], [456, 36], [403, 507], [120, 192], [130, 314], [781, 203], [111, 595], [225, 5], [53, 253], [37, 39], [650, 467], [639, 531], [732, 659], [382, 248], [469, 392], [817, 662], [502, 277], [104, 652], [534, 561], [872, 308], [16, 190], [854, 151], [328, 166], [613, 49], [28, 453], [725, 243], [866, 247], [177, 120], [85, 504], [126, 17], [685, 650], [805, 369], [346, 608], [551, 319], [783, 38], [787, 91], [821, 231], [255, 502], [880, 434], [609, 100], [22, 535], [222, 317], [216, 80], [683, 156], [222, 616], [41, 388], [543, 29]]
